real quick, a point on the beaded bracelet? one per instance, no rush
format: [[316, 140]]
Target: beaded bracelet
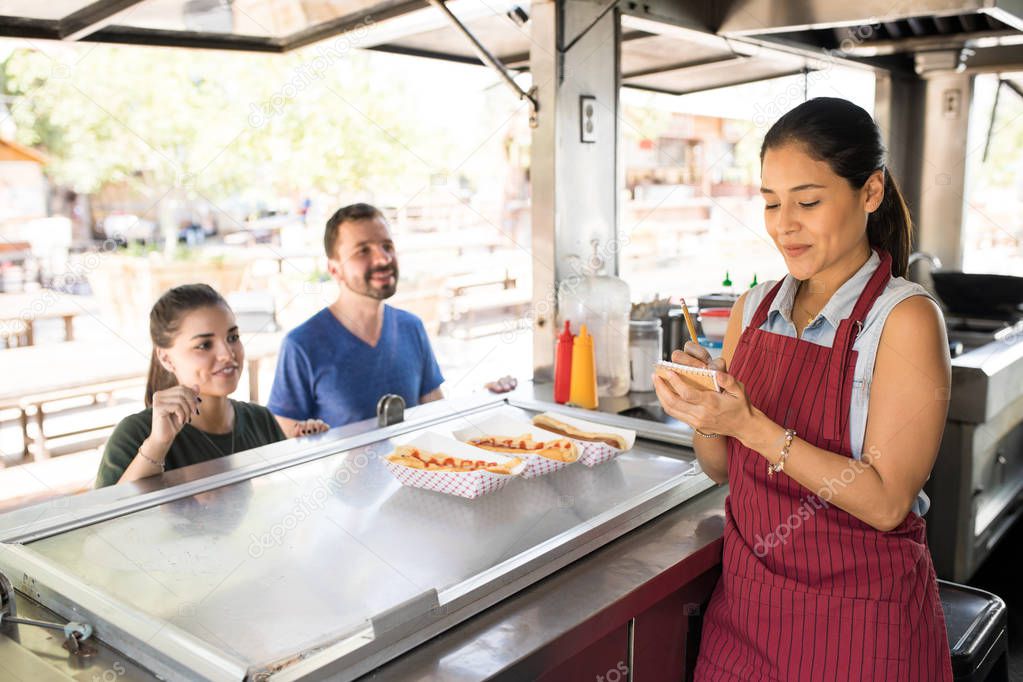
[[773, 469], [162, 465]]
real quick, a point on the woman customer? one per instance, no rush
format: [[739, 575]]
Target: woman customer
[[835, 391], [195, 365]]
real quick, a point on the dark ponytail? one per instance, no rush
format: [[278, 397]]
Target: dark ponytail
[[844, 136], [890, 227], [164, 323]]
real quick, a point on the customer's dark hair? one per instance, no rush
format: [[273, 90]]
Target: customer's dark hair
[[165, 322], [844, 136], [349, 213]]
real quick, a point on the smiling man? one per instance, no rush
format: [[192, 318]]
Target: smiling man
[[337, 364]]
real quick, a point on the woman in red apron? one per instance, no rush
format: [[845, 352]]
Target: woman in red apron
[[826, 574]]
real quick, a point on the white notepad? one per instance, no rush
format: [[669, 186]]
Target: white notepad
[[697, 377]]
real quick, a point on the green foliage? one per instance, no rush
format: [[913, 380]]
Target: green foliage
[[192, 123], [138, 249], [1003, 165], [641, 123]]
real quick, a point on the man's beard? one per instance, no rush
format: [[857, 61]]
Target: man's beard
[[367, 288]]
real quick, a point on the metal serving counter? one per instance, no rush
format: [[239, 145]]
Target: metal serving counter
[[317, 563]]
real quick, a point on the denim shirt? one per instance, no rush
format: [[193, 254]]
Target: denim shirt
[[822, 328]]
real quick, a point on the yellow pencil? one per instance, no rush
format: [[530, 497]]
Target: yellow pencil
[[689, 322]]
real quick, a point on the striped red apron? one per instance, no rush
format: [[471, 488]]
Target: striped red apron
[[808, 591]]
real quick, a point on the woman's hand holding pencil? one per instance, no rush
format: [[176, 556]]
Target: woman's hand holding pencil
[[710, 413], [693, 354]]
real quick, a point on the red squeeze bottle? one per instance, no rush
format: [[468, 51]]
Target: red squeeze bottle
[[563, 365]]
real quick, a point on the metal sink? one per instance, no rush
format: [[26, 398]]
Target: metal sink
[[652, 412]]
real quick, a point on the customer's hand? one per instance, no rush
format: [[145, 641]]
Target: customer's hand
[[502, 385], [172, 409], [308, 428]]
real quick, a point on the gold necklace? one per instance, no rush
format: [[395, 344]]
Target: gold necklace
[[806, 310]]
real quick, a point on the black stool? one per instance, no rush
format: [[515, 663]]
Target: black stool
[[976, 622]]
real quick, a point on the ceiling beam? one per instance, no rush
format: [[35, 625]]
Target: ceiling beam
[[131, 35], [705, 88], [23, 27], [678, 66], [351, 22], [92, 18]]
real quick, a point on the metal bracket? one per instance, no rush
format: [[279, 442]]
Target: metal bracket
[[7, 604], [406, 612], [390, 410], [493, 62], [74, 632]]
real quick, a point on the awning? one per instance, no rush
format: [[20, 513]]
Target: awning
[[655, 55]]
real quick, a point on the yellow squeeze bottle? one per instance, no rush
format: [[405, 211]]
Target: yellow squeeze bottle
[[583, 391]]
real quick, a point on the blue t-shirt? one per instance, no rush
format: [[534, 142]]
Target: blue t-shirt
[[326, 372]]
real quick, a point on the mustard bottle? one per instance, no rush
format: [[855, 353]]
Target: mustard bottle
[[583, 392]]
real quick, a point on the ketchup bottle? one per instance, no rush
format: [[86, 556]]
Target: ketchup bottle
[[563, 366]]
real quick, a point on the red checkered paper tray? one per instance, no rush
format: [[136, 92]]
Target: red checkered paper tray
[[559, 453], [592, 452], [469, 484]]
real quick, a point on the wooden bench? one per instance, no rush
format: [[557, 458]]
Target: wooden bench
[[469, 298], [13, 257], [461, 285], [44, 304], [30, 408]]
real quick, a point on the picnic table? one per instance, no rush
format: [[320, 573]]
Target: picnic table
[[468, 297], [35, 376], [24, 309]]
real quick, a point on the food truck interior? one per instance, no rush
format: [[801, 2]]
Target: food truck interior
[[595, 573]]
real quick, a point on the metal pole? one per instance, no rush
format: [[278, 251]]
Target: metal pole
[[484, 54], [991, 126]]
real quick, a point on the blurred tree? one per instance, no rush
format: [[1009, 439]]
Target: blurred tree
[[189, 124], [1003, 164]]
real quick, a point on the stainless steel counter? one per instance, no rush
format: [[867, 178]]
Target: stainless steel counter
[[610, 584], [307, 559], [987, 380], [976, 487], [635, 410]]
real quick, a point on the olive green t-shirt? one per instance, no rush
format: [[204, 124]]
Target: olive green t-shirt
[[254, 426]]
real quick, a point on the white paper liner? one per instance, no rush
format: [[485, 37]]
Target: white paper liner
[[468, 484], [510, 427], [592, 454]]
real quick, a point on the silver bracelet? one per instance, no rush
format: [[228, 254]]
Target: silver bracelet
[[162, 465]]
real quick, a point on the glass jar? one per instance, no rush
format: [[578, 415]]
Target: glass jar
[[645, 347], [603, 304]]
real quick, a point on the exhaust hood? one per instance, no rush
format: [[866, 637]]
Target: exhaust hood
[[948, 34]]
